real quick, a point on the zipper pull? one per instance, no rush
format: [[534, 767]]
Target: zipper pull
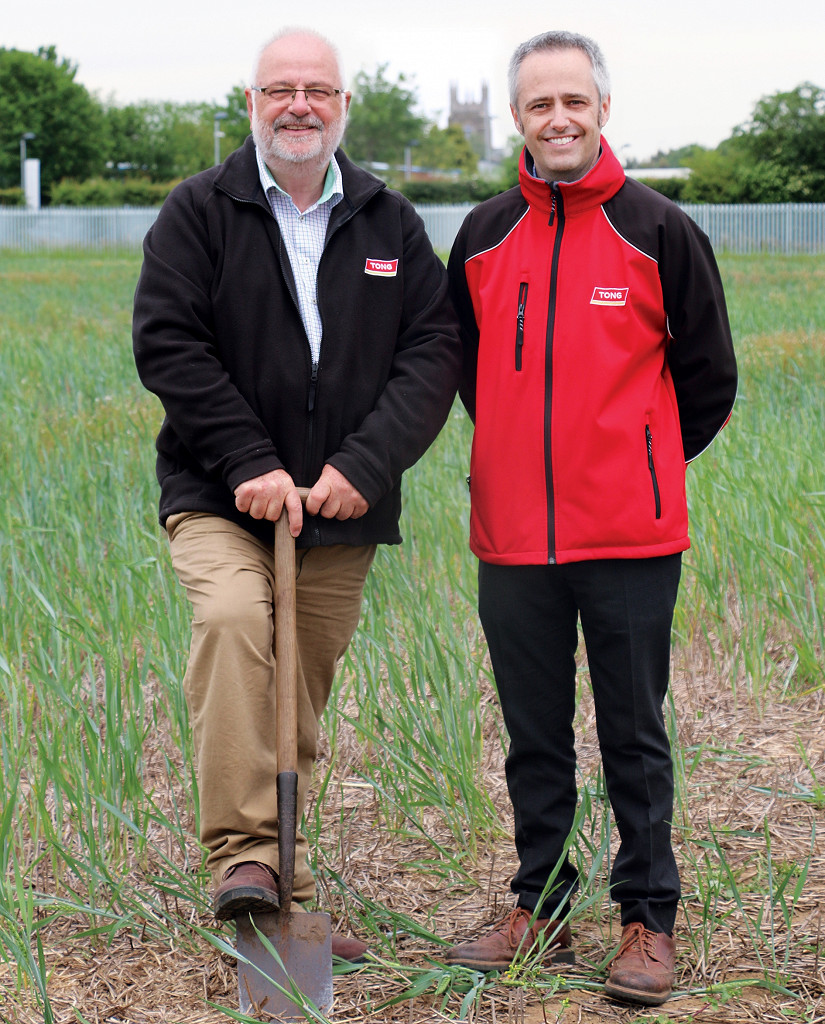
[[657, 497], [522, 302], [313, 385], [552, 210]]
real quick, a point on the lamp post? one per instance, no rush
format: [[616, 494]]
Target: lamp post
[[217, 134], [408, 164], [24, 138]]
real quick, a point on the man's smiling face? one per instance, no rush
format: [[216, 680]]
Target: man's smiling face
[[559, 113], [296, 131]]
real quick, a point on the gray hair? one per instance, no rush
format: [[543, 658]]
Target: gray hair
[[560, 41], [297, 31]]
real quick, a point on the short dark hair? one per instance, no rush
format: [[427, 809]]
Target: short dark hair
[[560, 41]]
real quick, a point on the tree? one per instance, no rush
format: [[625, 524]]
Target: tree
[[382, 122], [778, 156], [447, 149], [508, 168], [166, 140], [161, 140], [671, 157], [729, 175], [788, 126], [787, 131], [236, 125], [38, 94]]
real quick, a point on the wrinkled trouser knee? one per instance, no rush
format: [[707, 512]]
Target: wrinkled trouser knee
[[231, 676]]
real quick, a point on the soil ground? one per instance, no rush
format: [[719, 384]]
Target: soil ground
[[755, 763]]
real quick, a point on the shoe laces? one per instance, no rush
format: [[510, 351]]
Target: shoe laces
[[518, 924], [522, 934], [637, 939]]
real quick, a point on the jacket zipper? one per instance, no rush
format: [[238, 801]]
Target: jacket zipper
[[522, 302], [335, 224], [557, 210], [552, 210], [652, 467], [313, 387]]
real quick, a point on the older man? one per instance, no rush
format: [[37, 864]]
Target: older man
[[293, 320], [598, 360]]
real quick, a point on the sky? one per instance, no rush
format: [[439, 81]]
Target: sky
[[681, 72]]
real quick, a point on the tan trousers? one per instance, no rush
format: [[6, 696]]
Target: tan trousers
[[230, 679]]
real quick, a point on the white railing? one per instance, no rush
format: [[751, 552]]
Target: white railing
[[442, 223], [762, 227], [70, 227]]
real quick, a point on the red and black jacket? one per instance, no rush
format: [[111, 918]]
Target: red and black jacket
[[597, 361]]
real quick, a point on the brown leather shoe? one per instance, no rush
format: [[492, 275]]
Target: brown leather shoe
[[252, 888], [246, 888], [345, 947], [511, 937], [643, 968]]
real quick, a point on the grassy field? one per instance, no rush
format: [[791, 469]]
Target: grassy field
[[103, 901]]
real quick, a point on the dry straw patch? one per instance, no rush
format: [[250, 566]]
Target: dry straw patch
[[750, 770]]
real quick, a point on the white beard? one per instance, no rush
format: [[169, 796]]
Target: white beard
[[274, 145]]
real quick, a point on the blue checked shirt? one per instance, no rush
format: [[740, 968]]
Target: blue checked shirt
[[304, 234]]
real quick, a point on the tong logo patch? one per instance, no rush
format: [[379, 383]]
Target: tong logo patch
[[609, 297], [381, 268]]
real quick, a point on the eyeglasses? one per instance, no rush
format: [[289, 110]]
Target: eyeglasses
[[284, 95]]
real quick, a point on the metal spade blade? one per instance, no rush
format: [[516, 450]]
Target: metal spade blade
[[302, 941]]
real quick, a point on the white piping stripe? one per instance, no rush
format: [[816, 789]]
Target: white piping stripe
[[626, 240], [653, 260], [501, 240], [719, 431], [670, 334]]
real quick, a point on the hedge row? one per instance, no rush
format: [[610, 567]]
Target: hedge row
[[11, 197], [448, 193], [139, 192], [673, 188], [110, 192]]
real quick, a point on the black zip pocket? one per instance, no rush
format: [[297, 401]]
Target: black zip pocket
[[522, 303], [651, 465]]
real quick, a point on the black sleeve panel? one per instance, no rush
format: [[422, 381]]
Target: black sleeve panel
[[700, 354]]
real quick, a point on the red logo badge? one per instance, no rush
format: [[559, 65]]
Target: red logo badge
[[609, 297], [381, 268]]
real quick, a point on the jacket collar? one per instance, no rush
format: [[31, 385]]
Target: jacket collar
[[601, 183], [238, 177]]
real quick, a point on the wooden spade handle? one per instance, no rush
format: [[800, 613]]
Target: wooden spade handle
[[286, 703]]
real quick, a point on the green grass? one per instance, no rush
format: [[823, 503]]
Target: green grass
[[98, 799], [755, 579]]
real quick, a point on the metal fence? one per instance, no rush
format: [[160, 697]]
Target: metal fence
[[75, 228], [764, 227]]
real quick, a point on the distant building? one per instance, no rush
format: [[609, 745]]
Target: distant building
[[473, 117]]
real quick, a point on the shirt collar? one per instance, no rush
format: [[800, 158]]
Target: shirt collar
[[333, 182]]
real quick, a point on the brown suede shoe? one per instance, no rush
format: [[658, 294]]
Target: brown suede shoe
[[643, 968], [345, 947], [246, 888], [511, 937]]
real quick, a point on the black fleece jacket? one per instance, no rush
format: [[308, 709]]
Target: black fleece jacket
[[219, 339]]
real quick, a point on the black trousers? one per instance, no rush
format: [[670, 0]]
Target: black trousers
[[530, 617]]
